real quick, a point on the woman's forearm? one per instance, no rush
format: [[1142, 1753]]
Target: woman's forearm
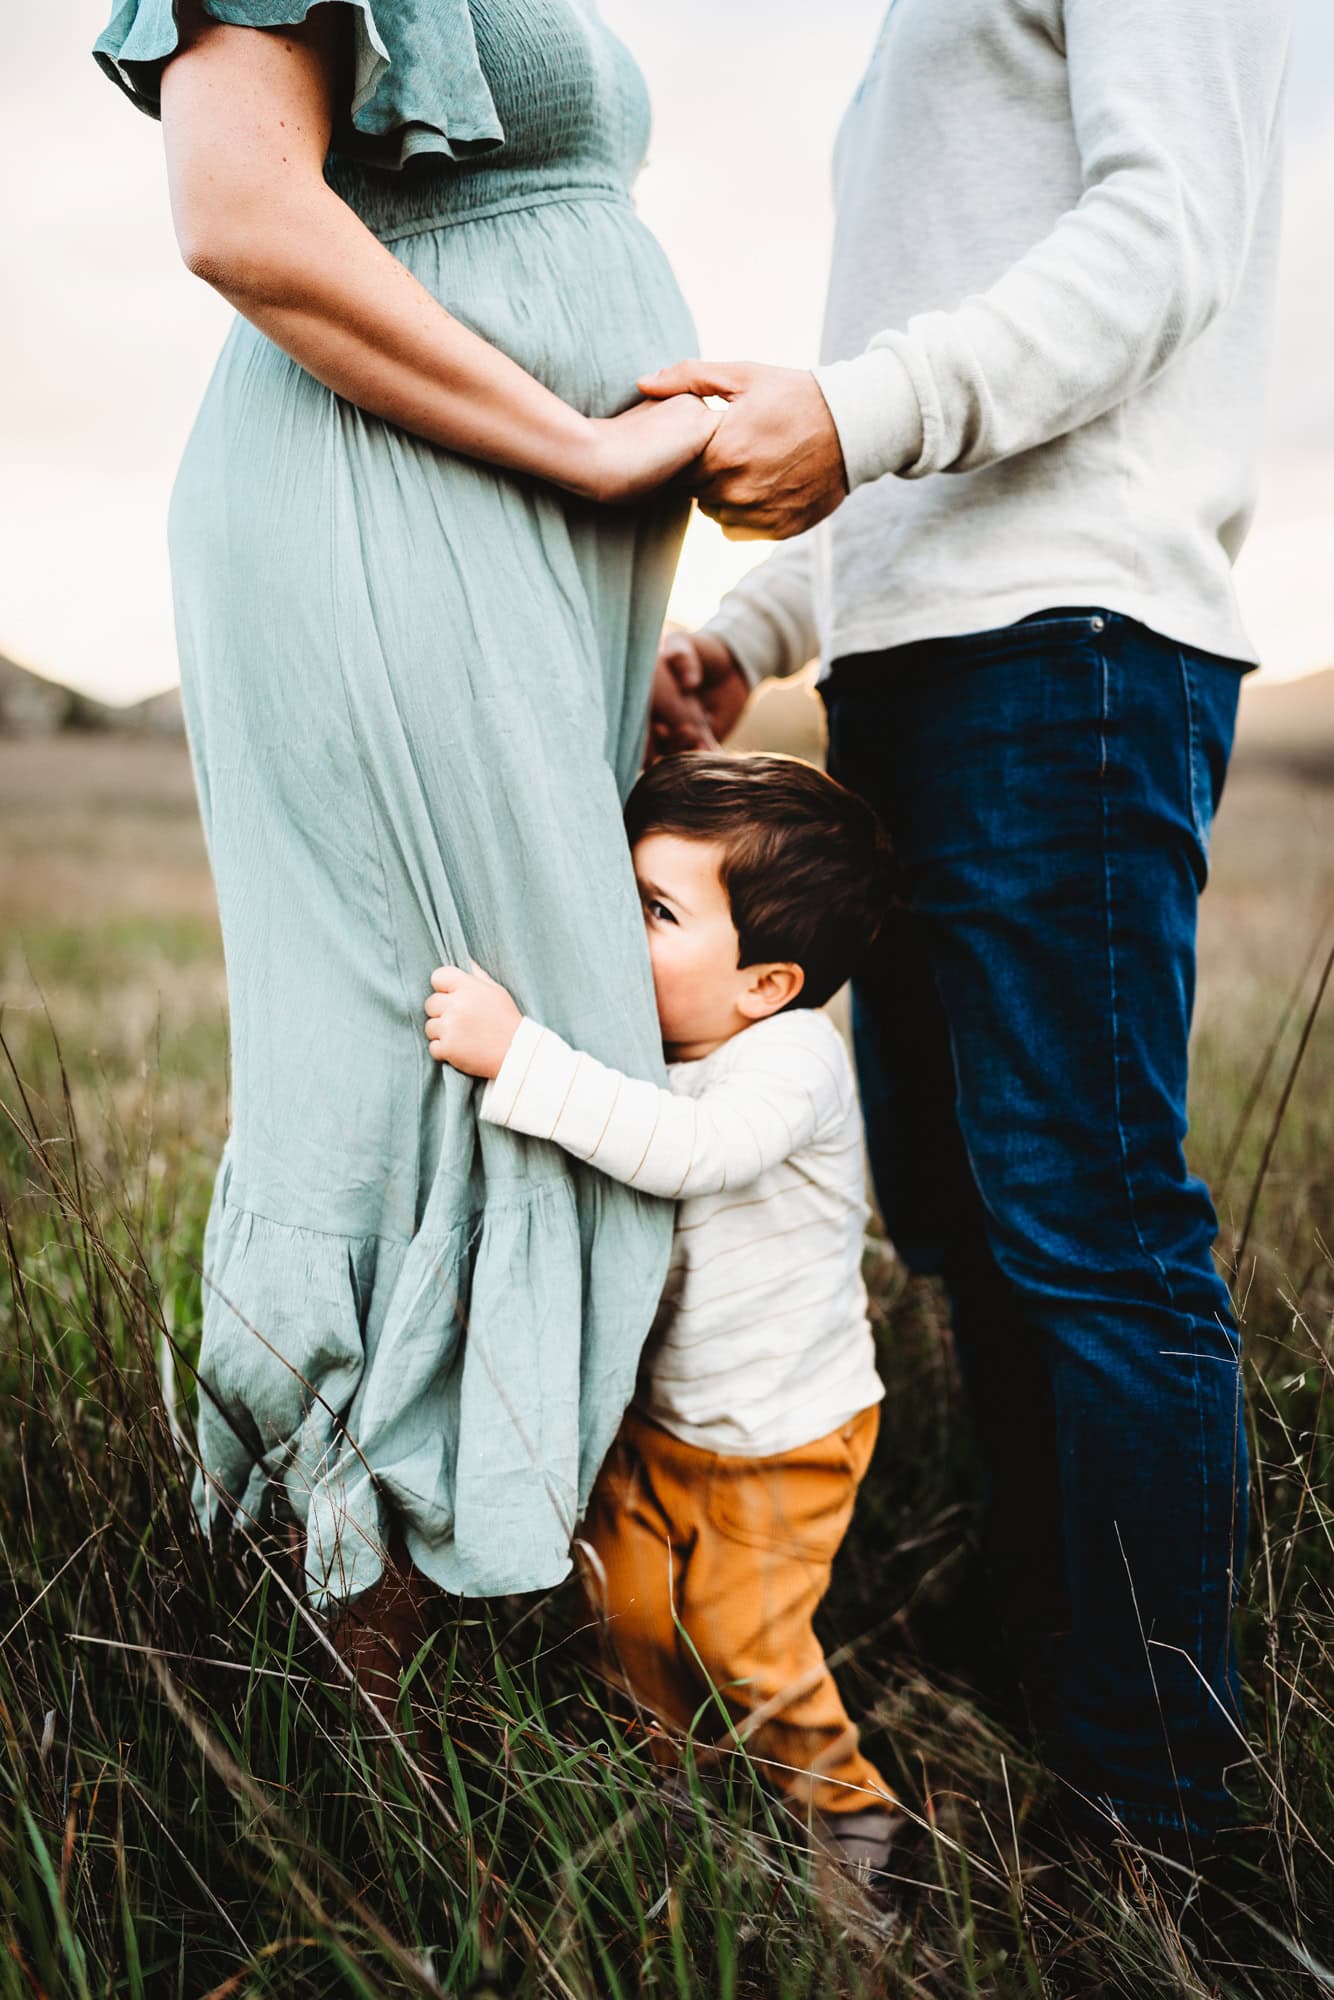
[[247, 116], [315, 280]]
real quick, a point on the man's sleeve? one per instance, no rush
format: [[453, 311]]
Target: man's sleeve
[[1176, 106], [768, 1106], [768, 619]]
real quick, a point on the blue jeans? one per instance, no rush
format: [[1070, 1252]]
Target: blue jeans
[[1021, 1045]]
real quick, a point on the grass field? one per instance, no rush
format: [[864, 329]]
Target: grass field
[[192, 1807]]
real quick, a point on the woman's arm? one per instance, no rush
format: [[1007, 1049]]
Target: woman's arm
[[247, 116]]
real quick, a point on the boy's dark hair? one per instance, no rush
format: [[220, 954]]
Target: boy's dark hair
[[805, 862]]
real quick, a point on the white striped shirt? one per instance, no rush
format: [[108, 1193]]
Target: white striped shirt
[[762, 1341]]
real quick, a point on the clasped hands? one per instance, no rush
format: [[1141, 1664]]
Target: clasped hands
[[773, 467], [768, 465]]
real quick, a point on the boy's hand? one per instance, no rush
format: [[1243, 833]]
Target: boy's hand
[[470, 1020]]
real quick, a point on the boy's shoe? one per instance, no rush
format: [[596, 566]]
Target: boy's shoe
[[850, 1864], [850, 1858], [859, 1841]]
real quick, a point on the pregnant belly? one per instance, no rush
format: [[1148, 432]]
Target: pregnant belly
[[578, 292]]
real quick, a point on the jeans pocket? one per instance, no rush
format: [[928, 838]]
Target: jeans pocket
[[1048, 634]]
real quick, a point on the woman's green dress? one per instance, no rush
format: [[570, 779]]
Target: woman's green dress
[[416, 690]]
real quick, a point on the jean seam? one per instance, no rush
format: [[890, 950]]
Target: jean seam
[[1192, 755], [1197, 1400], [1109, 904], [1202, 1443]]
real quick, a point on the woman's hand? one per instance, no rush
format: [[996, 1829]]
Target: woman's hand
[[470, 1020], [634, 454]]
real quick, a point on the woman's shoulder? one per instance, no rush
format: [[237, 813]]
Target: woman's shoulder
[[416, 84]]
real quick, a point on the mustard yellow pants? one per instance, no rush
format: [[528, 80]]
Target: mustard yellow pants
[[709, 1569]]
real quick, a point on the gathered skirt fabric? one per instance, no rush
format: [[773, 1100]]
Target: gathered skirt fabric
[[416, 690]]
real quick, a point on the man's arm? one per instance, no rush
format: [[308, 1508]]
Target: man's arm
[[767, 620], [1175, 106]]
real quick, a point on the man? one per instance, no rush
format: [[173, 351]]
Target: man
[[1057, 226]]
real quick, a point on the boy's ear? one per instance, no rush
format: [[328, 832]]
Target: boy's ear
[[770, 988]]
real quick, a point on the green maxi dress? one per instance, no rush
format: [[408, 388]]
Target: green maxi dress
[[416, 690]]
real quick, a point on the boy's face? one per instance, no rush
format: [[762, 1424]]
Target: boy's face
[[704, 996]]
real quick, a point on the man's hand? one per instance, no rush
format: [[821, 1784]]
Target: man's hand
[[470, 1020], [699, 692], [773, 467]]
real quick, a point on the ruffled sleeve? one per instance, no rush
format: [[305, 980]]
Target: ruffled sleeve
[[417, 85]]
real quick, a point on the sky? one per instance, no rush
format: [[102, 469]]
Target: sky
[[106, 341]]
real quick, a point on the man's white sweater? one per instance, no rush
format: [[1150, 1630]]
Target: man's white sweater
[[762, 1341], [1057, 226]]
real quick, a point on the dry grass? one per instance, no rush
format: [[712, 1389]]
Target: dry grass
[[193, 1808]]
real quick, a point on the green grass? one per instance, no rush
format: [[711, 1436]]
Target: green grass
[[192, 1804]]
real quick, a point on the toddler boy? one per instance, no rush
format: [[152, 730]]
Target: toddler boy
[[731, 1486]]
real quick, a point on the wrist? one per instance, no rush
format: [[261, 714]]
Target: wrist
[[564, 448], [875, 411], [498, 1053], [502, 1090], [579, 454], [727, 666], [743, 640]]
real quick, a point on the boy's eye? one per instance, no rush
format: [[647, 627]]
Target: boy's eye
[[658, 910]]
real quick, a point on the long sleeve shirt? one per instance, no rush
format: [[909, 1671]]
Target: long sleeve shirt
[[1052, 279], [762, 1341]]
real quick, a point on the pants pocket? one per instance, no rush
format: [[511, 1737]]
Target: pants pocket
[[798, 1503]]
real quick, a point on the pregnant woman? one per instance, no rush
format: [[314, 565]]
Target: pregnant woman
[[416, 648]]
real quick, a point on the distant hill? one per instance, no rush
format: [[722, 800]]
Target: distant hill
[[1284, 725], [31, 705]]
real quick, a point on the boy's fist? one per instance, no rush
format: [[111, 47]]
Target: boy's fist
[[470, 1020]]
